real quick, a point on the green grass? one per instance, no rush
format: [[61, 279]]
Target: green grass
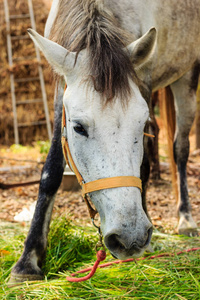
[[72, 248]]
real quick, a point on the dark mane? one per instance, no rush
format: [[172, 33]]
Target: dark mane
[[87, 24]]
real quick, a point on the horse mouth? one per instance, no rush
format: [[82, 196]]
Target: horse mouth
[[127, 254]]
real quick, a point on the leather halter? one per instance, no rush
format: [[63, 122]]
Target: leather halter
[[100, 184]]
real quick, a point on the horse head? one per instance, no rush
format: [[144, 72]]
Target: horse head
[[106, 139]]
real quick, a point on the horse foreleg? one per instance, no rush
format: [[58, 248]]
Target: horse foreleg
[[184, 91], [29, 265], [145, 172]]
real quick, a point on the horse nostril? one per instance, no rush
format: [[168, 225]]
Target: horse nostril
[[112, 242], [149, 234], [115, 242]]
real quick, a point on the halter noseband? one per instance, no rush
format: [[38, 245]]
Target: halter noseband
[[97, 185]]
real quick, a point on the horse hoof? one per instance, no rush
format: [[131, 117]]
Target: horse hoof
[[192, 232], [16, 279], [187, 226], [149, 249]]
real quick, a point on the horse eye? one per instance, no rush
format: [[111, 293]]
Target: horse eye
[[80, 130]]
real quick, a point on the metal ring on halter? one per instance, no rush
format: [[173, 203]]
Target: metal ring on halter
[[100, 245], [64, 132], [100, 242]]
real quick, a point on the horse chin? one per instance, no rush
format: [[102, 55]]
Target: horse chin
[[123, 255]]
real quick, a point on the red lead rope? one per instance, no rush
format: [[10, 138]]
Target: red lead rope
[[101, 255]]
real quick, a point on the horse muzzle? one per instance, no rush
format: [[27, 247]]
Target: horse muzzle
[[123, 246]]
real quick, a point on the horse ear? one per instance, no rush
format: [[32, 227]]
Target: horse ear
[[59, 58], [142, 50]]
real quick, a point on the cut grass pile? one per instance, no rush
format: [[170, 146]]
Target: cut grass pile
[[72, 248]]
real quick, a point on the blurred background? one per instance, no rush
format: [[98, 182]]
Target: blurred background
[[25, 66]]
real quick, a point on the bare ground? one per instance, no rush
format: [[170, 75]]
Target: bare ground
[[160, 197]]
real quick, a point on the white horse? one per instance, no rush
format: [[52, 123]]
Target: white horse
[[112, 54]]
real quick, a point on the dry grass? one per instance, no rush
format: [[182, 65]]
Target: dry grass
[[72, 248]]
